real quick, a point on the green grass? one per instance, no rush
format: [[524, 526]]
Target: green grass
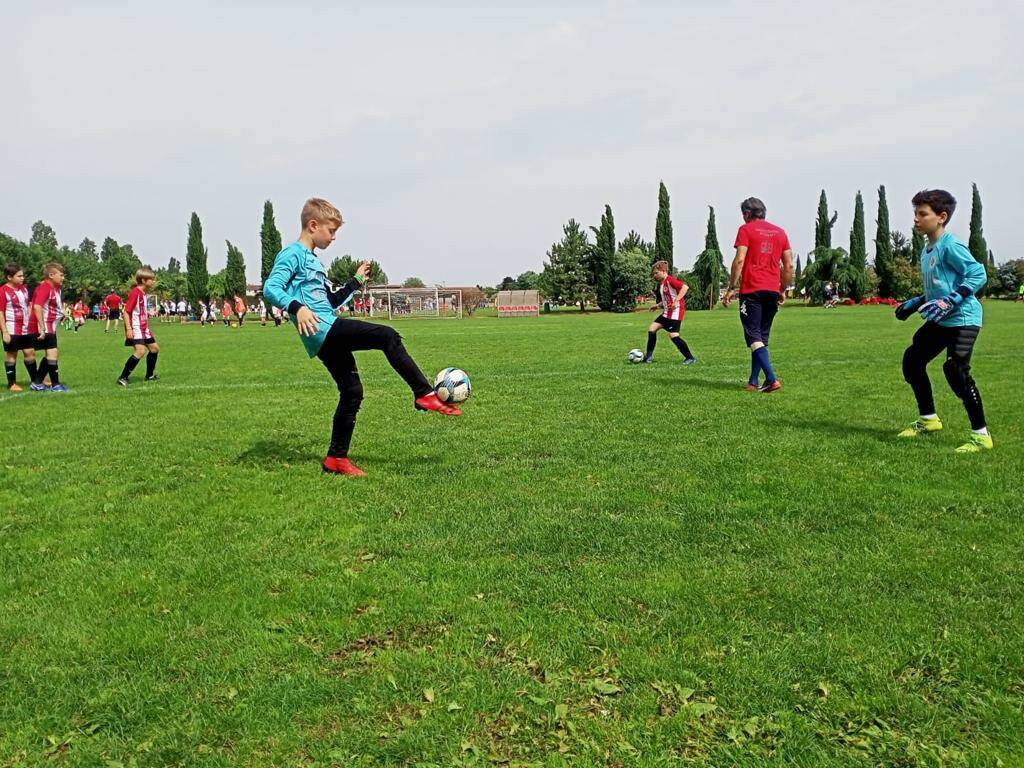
[[597, 565]]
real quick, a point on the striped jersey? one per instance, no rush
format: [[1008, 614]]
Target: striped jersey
[[47, 296], [670, 293], [137, 319], [15, 307]]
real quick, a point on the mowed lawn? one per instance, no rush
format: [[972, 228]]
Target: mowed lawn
[[597, 565]]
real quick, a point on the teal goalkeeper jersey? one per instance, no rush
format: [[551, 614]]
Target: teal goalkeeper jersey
[[946, 266]]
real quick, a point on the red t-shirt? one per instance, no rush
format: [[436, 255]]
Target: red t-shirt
[[113, 301], [765, 243], [15, 308], [137, 319], [79, 310], [47, 296], [670, 288]]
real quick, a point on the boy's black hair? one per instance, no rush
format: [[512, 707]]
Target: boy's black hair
[[11, 270], [939, 200], [753, 207]]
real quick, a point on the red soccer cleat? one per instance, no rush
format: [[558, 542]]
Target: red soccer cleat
[[342, 467], [432, 402], [775, 386], [751, 387]]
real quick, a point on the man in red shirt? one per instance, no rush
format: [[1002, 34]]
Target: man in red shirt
[[113, 305], [47, 310], [671, 293], [761, 248]]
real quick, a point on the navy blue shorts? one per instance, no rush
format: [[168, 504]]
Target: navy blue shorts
[[757, 312]]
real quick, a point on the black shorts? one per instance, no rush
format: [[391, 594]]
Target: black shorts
[[957, 341], [672, 326], [49, 341], [757, 312], [114, 314], [20, 341], [143, 342]]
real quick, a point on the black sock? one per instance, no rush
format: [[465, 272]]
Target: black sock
[[41, 372], [151, 364], [652, 340], [129, 366], [52, 372], [681, 346], [30, 366], [10, 368]]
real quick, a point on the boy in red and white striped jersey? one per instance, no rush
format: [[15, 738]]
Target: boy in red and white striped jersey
[[46, 312], [136, 328], [671, 293], [14, 317]]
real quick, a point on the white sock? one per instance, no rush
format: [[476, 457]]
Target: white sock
[[927, 416], [982, 431]]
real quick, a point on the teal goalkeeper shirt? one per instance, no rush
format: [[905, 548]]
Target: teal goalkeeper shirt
[[946, 266], [298, 276]]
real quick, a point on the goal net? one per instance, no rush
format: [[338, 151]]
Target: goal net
[[410, 302]]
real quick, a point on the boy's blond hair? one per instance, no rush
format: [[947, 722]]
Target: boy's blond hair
[[316, 208], [659, 266], [52, 266], [143, 273]]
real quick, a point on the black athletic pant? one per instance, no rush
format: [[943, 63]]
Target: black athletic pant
[[958, 343], [344, 338]]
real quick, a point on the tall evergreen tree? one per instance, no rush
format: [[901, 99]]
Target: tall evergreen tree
[[858, 259], [601, 260], [663, 228], [916, 246], [270, 241], [234, 272], [883, 248], [977, 245], [195, 263], [88, 249], [708, 273], [173, 266], [798, 271], [565, 278], [823, 225]]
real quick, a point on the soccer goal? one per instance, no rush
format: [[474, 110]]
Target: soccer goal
[[412, 302]]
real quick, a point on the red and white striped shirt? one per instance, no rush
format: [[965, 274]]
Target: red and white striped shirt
[[138, 319], [47, 296], [670, 292], [14, 305]]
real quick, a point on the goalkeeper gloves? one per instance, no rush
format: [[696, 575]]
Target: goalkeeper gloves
[[937, 309], [909, 307]]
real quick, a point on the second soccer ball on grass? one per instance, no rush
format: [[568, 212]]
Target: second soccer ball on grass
[[452, 385]]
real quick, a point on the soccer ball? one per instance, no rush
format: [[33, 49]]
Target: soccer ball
[[635, 356], [452, 385]]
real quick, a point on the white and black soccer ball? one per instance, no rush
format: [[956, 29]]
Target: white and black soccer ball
[[635, 356], [452, 385]]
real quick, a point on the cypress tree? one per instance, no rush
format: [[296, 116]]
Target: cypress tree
[[601, 259], [708, 271], [883, 248], [823, 226], [270, 241], [663, 228], [858, 259], [799, 270], [195, 263], [977, 245], [916, 246], [234, 272]]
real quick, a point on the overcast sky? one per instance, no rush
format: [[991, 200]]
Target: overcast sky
[[457, 141]]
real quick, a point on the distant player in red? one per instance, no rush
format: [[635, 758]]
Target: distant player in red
[[46, 312], [14, 318], [78, 312], [113, 305], [761, 272], [671, 293], [136, 328]]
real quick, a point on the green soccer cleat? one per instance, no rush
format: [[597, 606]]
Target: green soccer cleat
[[976, 444], [921, 426]]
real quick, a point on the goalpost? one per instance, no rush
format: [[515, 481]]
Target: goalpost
[[382, 301]]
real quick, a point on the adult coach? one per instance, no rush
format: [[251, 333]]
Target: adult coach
[[761, 271], [113, 304]]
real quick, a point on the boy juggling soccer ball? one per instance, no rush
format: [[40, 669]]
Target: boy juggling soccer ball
[[756, 273], [298, 283], [671, 293], [952, 314], [47, 310], [136, 329], [14, 320]]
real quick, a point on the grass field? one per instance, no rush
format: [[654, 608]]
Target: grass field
[[598, 565]]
